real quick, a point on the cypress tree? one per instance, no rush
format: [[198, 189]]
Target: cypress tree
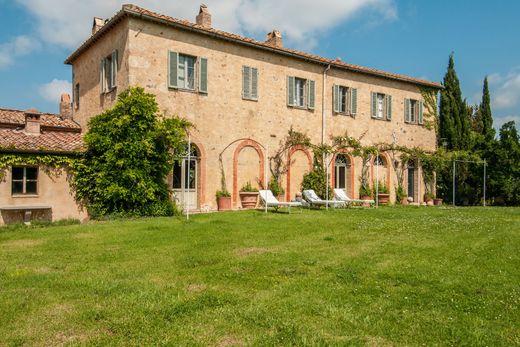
[[484, 114]]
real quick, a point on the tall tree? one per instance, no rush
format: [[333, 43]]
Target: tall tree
[[484, 115], [454, 127]]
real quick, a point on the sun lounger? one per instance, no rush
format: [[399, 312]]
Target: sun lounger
[[315, 200], [340, 195], [267, 198]]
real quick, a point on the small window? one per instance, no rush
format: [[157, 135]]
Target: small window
[[187, 72], [249, 83], [381, 106], [301, 92], [108, 73], [344, 100], [24, 180], [413, 111]]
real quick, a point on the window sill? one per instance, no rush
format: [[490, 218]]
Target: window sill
[[382, 119], [249, 99], [25, 196], [301, 108]]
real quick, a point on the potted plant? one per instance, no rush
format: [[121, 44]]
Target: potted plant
[[223, 200], [437, 201], [428, 198], [400, 196], [276, 189], [383, 195], [365, 193], [248, 196]]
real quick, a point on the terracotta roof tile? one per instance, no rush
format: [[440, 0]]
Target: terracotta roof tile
[[141, 12], [48, 120]]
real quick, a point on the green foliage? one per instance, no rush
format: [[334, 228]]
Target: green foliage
[[365, 191], [316, 180], [130, 151], [275, 187], [248, 187], [52, 164], [381, 188], [400, 194], [222, 194]]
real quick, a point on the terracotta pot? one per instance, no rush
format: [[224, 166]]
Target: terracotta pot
[[224, 203], [427, 199], [248, 199], [383, 199], [367, 198], [281, 197], [404, 201], [437, 202]]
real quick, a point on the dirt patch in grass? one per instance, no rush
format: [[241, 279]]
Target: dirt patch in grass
[[25, 243], [196, 288], [83, 236], [228, 341], [250, 251]]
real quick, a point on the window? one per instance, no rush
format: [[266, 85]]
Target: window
[[301, 92], [76, 95], [379, 161], [108, 73], [187, 72], [249, 83], [345, 100], [413, 111], [24, 180], [381, 106]]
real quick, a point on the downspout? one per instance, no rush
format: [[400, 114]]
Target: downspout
[[323, 117]]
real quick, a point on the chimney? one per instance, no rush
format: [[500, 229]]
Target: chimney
[[98, 24], [32, 121], [274, 38], [65, 106], [204, 17]]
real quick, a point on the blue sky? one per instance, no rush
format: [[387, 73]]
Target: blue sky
[[408, 37]]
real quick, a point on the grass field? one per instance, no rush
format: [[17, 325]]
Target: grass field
[[393, 276]]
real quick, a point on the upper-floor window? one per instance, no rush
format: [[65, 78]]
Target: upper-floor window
[[345, 100], [108, 73], [413, 111], [301, 92], [187, 72], [381, 106], [249, 83], [24, 180], [75, 95]]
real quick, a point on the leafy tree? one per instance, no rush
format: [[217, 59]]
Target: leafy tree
[[507, 169], [129, 153]]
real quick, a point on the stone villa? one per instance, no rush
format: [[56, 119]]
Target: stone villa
[[243, 97]]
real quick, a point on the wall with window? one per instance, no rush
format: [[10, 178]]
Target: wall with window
[[27, 186]]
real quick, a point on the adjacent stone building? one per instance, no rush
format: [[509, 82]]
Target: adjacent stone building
[[243, 97]]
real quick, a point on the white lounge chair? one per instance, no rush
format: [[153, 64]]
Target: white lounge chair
[[315, 200], [267, 198], [340, 195]]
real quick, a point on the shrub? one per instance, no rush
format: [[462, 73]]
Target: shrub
[[222, 194], [275, 187], [365, 191], [381, 188], [316, 181], [248, 187]]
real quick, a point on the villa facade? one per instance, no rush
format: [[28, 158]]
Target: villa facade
[[243, 96]]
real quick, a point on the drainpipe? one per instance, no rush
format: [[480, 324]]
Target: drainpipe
[[323, 116]]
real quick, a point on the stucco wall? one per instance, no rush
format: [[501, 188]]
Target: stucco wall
[[223, 119], [53, 191]]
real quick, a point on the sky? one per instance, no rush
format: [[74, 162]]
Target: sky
[[409, 37]]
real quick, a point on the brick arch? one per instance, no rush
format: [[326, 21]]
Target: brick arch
[[236, 153], [293, 150], [201, 179], [387, 163], [352, 172]]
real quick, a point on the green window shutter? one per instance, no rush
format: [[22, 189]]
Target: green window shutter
[[246, 82], [113, 77], [374, 105], [102, 76], [173, 66], [203, 75], [420, 118], [335, 98], [311, 100], [254, 83], [389, 107], [407, 110], [290, 90], [353, 101]]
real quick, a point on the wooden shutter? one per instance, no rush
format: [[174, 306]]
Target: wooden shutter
[[407, 110], [113, 70], [203, 75], [102, 76], [173, 67], [246, 82], [290, 90], [420, 117], [311, 99], [335, 98], [254, 83], [388, 99], [353, 101], [374, 105]]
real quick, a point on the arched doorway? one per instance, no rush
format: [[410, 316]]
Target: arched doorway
[[248, 166], [185, 183], [299, 162], [381, 170], [343, 173]]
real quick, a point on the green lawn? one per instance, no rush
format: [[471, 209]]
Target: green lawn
[[393, 276]]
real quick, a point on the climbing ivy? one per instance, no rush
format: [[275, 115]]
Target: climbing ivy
[[51, 164]]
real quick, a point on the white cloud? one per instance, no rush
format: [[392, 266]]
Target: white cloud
[[505, 89], [499, 121], [52, 91], [16, 47], [68, 22]]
